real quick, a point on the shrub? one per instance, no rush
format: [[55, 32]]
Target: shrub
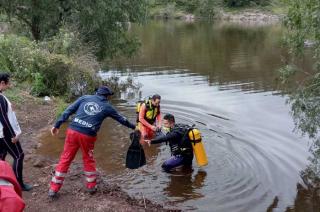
[[51, 67]]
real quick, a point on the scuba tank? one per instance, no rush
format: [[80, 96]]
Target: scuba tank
[[198, 147]]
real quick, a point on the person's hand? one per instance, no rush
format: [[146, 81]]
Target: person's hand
[[137, 128], [158, 129], [148, 142], [154, 128], [15, 139], [54, 131]]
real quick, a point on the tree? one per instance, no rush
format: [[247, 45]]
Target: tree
[[302, 22], [102, 23]]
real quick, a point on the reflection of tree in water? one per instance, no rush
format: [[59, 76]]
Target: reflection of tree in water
[[183, 185], [304, 100], [222, 53], [305, 109], [124, 88]]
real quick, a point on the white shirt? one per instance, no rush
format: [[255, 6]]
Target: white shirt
[[12, 119]]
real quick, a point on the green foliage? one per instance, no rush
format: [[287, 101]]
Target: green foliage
[[302, 22], [190, 6], [179, 8], [17, 54], [61, 106], [49, 73], [42, 18], [286, 72], [102, 23], [207, 8], [38, 87], [14, 94], [305, 108]]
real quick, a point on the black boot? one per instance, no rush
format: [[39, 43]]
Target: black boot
[[26, 187]]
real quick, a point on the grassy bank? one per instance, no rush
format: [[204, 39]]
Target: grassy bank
[[55, 67]]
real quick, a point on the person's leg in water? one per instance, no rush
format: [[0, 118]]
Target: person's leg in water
[[176, 161], [173, 162], [187, 160]]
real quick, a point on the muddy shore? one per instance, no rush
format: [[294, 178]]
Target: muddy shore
[[37, 116]]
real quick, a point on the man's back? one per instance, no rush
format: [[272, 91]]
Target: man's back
[[90, 111]]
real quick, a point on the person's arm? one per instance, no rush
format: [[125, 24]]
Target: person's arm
[[121, 119], [159, 120], [68, 112], [4, 117], [142, 113], [164, 138]]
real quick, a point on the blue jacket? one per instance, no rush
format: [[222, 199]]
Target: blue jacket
[[90, 112]]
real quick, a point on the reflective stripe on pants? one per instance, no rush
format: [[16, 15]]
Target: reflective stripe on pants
[[75, 140]]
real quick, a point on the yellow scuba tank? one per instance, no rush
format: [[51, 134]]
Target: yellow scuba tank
[[198, 148]]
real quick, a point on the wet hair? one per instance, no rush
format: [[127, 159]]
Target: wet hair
[[4, 77], [169, 117], [156, 96]]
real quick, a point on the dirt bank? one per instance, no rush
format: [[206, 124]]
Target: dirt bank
[[35, 116]]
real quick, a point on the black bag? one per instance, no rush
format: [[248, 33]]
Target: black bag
[[135, 155]]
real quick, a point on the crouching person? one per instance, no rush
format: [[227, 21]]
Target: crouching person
[[180, 145]]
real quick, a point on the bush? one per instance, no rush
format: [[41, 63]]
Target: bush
[[207, 8], [51, 67], [17, 56], [38, 86]]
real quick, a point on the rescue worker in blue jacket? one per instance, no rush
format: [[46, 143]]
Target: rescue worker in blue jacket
[[90, 111]]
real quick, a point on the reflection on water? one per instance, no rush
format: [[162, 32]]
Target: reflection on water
[[183, 186], [223, 79]]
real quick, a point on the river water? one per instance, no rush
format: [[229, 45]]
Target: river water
[[223, 78]]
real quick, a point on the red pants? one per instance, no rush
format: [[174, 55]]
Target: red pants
[[74, 141], [146, 133], [10, 201]]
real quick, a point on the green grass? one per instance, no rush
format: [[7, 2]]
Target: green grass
[[61, 106], [14, 95]]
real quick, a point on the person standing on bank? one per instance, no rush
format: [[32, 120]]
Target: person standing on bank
[[10, 132], [90, 111]]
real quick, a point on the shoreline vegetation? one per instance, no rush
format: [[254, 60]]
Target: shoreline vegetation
[[245, 16], [58, 60], [241, 11]]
